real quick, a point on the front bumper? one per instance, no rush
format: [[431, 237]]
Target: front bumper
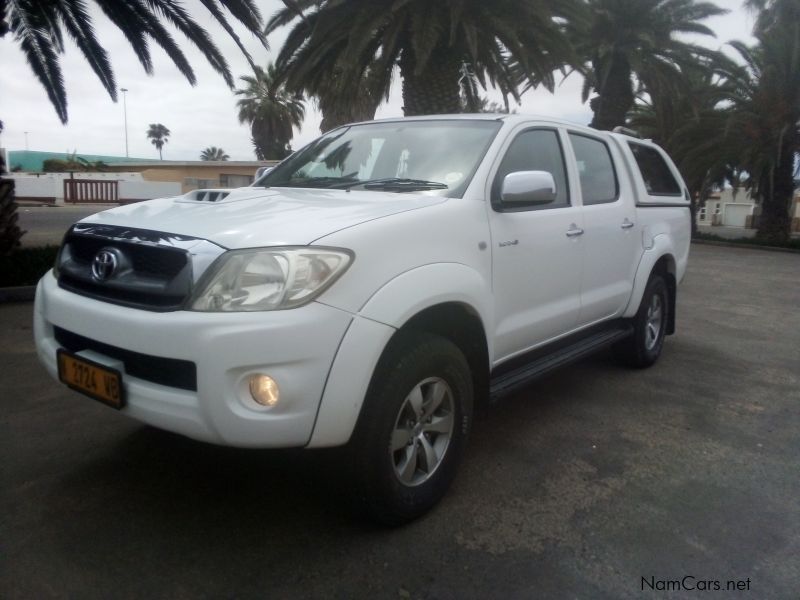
[[295, 347]]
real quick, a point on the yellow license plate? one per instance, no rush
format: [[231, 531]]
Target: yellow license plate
[[95, 380]]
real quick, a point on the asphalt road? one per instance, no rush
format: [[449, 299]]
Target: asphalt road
[[46, 225], [596, 482]]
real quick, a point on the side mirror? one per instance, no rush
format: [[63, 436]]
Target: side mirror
[[528, 187]]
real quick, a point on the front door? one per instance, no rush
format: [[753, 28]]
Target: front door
[[536, 250]]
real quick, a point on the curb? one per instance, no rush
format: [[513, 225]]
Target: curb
[[746, 246], [22, 293]]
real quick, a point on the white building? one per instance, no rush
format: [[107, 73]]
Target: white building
[[727, 208], [739, 209]]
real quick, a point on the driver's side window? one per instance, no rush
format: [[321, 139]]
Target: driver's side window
[[534, 150]]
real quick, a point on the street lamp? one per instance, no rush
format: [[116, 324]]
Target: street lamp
[[26, 140], [125, 112]]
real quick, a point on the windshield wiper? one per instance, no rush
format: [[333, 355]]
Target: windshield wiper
[[319, 182], [395, 183]]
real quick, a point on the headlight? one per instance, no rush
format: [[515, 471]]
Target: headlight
[[268, 278]]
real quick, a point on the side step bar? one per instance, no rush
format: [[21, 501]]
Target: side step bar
[[510, 381]]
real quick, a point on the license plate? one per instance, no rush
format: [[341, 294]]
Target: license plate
[[93, 379]]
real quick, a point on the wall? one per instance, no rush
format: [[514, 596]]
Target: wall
[[147, 190], [49, 187], [194, 175]]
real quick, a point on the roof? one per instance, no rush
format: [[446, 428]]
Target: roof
[[193, 163], [33, 160], [510, 118]]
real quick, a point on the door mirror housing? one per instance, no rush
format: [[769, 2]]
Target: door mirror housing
[[528, 188]]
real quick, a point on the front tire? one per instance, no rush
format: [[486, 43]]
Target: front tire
[[413, 429], [643, 348]]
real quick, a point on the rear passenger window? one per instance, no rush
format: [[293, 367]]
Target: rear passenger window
[[658, 179], [596, 169], [535, 150]]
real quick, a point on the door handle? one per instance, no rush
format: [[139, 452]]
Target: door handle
[[574, 230], [626, 224]]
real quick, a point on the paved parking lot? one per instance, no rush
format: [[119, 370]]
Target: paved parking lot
[[598, 482]]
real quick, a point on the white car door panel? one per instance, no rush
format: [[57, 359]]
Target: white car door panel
[[536, 273], [612, 239], [537, 250]]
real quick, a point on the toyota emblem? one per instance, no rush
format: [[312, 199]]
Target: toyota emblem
[[104, 264]]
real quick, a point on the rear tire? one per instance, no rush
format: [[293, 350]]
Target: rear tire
[[643, 348], [413, 428]]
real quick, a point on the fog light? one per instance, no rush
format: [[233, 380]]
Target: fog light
[[264, 390]]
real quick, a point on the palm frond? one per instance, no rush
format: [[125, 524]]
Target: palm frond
[[39, 44], [39, 29]]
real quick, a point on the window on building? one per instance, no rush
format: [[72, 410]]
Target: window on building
[[197, 183], [234, 181]]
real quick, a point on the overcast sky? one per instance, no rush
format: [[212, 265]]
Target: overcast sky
[[203, 115]]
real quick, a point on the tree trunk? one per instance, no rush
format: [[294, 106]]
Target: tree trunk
[[361, 106], [774, 224], [694, 205], [433, 89], [614, 95]]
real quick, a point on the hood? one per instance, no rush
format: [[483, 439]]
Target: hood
[[255, 217]]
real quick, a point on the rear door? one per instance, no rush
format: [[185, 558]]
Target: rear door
[[536, 250], [612, 240]]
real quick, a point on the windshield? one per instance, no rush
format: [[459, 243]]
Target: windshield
[[440, 156]]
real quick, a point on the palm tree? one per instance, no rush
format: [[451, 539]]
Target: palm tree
[[213, 153], [39, 27], [429, 41], [342, 102], [690, 121], [749, 125], [159, 135], [10, 233], [271, 111], [772, 13], [624, 39], [771, 112], [767, 116]]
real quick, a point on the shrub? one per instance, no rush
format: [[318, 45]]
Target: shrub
[[25, 266]]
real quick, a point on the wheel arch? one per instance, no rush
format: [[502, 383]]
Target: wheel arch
[[446, 299], [453, 305], [665, 266], [659, 259], [461, 324]]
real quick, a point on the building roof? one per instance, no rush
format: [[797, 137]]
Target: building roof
[[192, 163], [33, 160]]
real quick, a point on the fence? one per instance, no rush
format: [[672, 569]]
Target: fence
[[89, 191]]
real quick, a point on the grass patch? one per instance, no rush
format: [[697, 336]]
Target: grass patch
[[25, 266], [793, 243]]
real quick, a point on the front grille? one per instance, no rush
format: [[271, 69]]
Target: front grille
[[156, 261], [147, 274], [171, 372]]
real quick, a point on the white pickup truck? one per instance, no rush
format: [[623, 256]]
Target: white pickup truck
[[372, 289]]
